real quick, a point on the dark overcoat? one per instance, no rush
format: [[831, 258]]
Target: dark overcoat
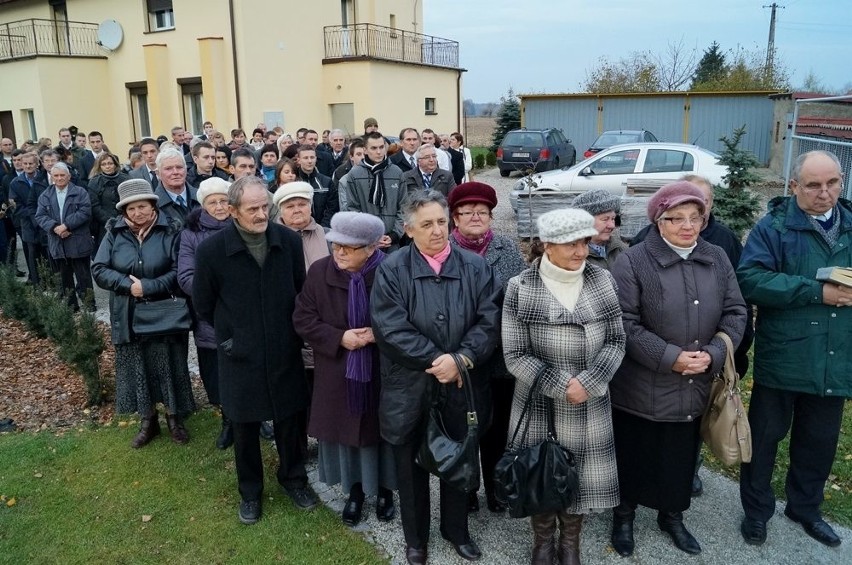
[[321, 319], [261, 373], [76, 215]]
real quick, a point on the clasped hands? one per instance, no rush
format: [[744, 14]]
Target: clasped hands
[[692, 362], [836, 295], [357, 338]]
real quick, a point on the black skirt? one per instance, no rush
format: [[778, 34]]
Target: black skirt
[[656, 460]]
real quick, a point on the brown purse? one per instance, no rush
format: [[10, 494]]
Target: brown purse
[[725, 426]]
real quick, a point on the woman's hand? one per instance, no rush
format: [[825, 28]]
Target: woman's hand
[[692, 362], [444, 369], [576, 392], [355, 338], [136, 287]]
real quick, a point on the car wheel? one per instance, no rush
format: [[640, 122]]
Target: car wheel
[[504, 173]]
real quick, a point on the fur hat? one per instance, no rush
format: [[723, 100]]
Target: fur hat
[[566, 225], [355, 229], [674, 194], [597, 202], [470, 192], [213, 185], [370, 122], [134, 190], [296, 189]]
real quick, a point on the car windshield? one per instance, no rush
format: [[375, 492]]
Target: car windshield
[[523, 139], [610, 139]]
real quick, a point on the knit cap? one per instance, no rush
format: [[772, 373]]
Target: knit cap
[[597, 202], [566, 225], [213, 185], [355, 229]]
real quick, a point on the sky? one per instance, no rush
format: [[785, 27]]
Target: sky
[[546, 46]]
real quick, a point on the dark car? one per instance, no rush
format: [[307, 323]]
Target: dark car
[[536, 149], [617, 137]]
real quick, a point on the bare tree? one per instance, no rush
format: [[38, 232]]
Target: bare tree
[[675, 66]]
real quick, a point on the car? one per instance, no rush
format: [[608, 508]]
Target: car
[[536, 149], [617, 137], [611, 168]]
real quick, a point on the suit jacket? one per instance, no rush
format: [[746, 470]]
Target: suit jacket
[[442, 181], [400, 160], [142, 173], [172, 210]]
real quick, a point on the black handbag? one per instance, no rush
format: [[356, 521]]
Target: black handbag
[[161, 317], [454, 462], [538, 479]]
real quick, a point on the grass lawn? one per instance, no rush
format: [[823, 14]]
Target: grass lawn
[[85, 496], [838, 490]]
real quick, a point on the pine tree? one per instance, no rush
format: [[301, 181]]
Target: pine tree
[[508, 118], [736, 206], [711, 67]]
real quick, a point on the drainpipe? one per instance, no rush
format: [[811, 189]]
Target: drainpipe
[[236, 67], [460, 105]]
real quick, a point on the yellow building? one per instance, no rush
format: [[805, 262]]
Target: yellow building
[[134, 68]]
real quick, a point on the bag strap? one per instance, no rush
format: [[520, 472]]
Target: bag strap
[[729, 371], [525, 417], [467, 388]]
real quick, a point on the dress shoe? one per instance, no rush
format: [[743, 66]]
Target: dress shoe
[[672, 524], [385, 510], [226, 436], [302, 496], [753, 531], [176, 429], [472, 502], [817, 529], [468, 551], [267, 432], [494, 505], [249, 511], [351, 514], [622, 531], [697, 486], [415, 556], [149, 428]]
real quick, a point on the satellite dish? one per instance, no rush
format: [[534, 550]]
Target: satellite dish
[[110, 34]]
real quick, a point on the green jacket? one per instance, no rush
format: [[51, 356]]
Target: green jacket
[[801, 344]]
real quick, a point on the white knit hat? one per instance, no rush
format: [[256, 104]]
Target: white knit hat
[[213, 185], [566, 225], [297, 189]]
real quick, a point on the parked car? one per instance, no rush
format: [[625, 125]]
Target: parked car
[[611, 168], [536, 149], [617, 137]]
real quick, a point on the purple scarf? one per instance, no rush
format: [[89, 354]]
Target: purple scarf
[[479, 246], [359, 362]]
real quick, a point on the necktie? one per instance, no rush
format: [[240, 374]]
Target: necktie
[[181, 202], [427, 180], [411, 160], [154, 180]]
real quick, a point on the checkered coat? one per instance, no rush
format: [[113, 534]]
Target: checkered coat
[[588, 343]]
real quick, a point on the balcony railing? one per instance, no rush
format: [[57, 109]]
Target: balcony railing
[[368, 41], [33, 37]]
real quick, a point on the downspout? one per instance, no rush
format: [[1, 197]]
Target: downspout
[[236, 68], [460, 105]]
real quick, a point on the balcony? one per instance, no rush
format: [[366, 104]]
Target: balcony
[[40, 37], [368, 41]]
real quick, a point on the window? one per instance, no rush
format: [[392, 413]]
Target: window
[[161, 15], [392, 26], [618, 163], [192, 104], [31, 124], [430, 107], [139, 109], [667, 161]]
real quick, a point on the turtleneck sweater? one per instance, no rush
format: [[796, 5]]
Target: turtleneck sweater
[[255, 243], [563, 284]]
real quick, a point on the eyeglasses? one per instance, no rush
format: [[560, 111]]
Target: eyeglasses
[[477, 214], [346, 248], [217, 203], [427, 157], [680, 222]]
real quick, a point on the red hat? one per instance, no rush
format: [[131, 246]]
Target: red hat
[[468, 192], [674, 194]]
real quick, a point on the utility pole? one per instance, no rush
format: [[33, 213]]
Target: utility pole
[[770, 47]]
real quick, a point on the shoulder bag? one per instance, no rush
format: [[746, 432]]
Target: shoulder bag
[[538, 479], [725, 426], [161, 317], [454, 462]]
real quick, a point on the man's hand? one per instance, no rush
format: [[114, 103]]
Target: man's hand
[[836, 295], [692, 362], [444, 369], [60, 230], [576, 392], [136, 287], [356, 338], [385, 242]]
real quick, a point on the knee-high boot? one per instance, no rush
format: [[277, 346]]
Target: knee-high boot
[[543, 526], [568, 552]]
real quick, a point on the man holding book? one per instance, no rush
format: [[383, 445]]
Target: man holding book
[[801, 357]]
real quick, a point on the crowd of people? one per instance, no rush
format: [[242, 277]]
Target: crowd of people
[[338, 289]]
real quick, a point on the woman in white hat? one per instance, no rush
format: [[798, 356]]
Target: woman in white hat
[[137, 261], [201, 223], [562, 324], [293, 202]]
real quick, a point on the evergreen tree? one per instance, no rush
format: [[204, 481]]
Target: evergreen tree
[[711, 67], [508, 118], [736, 206]]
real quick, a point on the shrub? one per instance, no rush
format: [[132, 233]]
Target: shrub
[[479, 161], [491, 159]]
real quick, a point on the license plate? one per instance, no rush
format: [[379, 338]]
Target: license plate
[[521, 155]]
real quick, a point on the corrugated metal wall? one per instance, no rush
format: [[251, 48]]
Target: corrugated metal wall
[[694, 118]]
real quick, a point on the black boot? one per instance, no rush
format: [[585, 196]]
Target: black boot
[[697, 484], [149, 428], [672, 524], [622, 529], [226, 436]]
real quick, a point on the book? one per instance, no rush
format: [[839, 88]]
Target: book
[[836, 275]]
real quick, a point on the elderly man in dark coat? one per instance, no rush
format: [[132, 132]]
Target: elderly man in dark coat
[[247, 277]]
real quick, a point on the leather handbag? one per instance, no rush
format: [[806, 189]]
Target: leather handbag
[[161, 317], [725, 426], [538, 479], [454, 462]]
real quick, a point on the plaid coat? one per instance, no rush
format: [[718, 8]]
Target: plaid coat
[[588, 343]]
